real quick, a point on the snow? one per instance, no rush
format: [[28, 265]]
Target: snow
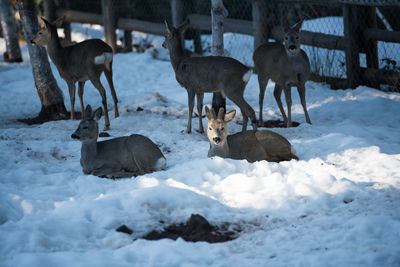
[[339, 205]]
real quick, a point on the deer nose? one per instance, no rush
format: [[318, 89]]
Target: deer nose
[[292, 47], [75, 136], [32, 42], [217, 140]]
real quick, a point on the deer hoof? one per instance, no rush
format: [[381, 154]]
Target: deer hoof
[[200, 131], [106, 128]]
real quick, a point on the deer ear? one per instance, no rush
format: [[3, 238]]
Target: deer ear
[[97, 114], [286, 27], [229, 116], [88, 112], [59, 22], [210, 114], [169, 27], [297, 26], [221, 112], [46, 23], [184, 26]]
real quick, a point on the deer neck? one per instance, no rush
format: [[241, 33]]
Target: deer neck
[[54, 48], [89, 150], [221, 150], [177, 54]]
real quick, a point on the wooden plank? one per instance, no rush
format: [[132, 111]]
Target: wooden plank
[[202, 22], [382, 35], [123, 24], [351, 46], [350, 2], [369, 20]]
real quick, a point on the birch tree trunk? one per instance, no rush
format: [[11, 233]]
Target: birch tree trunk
[[13, 52], [218, 13], [50, 95]]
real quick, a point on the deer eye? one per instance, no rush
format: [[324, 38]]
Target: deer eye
[[209, 128], [85, 127], [297, 37], [222, 128], [286, 38]]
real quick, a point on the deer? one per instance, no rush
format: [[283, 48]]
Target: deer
[[287, 65], [118, 157], [199, 75], [249, 145], [80, 62]]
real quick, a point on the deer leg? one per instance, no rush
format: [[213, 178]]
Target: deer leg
[[277, 95], [71, 90], [288, 96], [247, 111], [302, 92], [200, 97], [96, 82], [191, 96], [80, 94], [245, 120], [263, 84], [109, 74]]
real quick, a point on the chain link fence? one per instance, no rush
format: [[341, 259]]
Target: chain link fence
[[318, 18]]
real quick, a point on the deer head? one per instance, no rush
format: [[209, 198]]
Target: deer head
[[43, 36], [217, 131], [292, 38], [88, 128], [173, 36]]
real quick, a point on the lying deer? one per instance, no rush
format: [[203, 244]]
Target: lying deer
[[115, 158], [80, 62], [199, 75], [249, 145], [287, 66]]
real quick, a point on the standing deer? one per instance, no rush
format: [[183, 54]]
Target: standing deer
[[249, 145], [78, 63], [287, 66], [115, 158], [199, 75]]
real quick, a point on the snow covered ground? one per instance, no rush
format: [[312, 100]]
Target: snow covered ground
[[339, 205]]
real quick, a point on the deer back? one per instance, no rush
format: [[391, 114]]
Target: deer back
[[260, 145], [89, 55], [208, 74]]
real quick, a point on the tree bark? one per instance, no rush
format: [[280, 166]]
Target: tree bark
[[50, 95], [109, 23], [218, 13], [8, 26], [49, 8]]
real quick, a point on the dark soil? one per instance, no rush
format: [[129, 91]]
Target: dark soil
[[197, 228]]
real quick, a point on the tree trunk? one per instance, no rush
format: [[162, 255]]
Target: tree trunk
[[49, 8], [50, 95], [218, 13], [109, 23], [8, 26]]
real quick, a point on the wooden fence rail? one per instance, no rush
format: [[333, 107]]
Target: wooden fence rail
[[350, 43]]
